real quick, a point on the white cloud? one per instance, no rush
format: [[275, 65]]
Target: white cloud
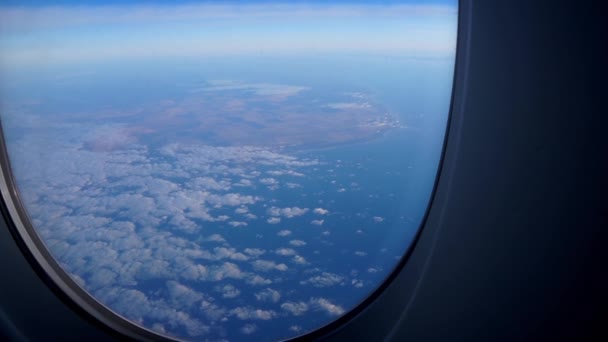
[[287, 212], [295, 308], [208, 183], [299, 260], [269, 181], [181, 294], [321, 211], [284, 172], [267, 265], [241, 210], [216, 238], [348, 105], [225, 270], [254, 252], [268, 295], [250, 216], [212, 311], [285, 251], [317, 222], [327, 306], [229, 291], [258, 280], [295, 328], [247, 313], [378, 219], [325, 279], [284, 232], [231, 199], [231, 253], [165, 232], [274, 220]]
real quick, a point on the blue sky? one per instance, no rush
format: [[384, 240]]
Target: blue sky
[[71, 31]]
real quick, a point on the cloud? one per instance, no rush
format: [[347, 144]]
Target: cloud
[[317, 222], [251, 216], [277, 173], [241, 210], [327, 306], [247, 313], [135, 305], [229, 291], [378, 219], [258, 280], [268, 295], [299, 260], [295, 308], [269, 181], [321, 211], [254, 252], [267, 265], [121, 220], [274, 220], [285, 251], [212, 311], [216, 238], [287, 212], [262, 89], [230, 253], [224, 271], [348, 105], [231, 199], [182, 295], [325, 279], [208, 183]]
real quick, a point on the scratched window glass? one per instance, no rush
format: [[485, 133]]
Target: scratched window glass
[[226, 171]]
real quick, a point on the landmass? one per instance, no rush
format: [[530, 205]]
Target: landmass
[[227, 113]]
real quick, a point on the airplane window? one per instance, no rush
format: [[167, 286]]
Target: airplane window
[[220, 170]]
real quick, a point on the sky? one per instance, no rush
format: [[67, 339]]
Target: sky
[[72, 32]]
